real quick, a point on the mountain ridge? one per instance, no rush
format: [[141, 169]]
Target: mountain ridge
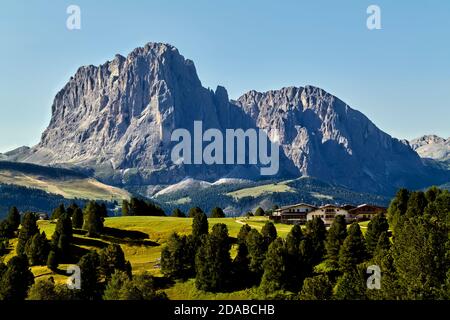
[[116, 119]]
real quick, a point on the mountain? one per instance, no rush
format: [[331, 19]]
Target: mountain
[[240, 196], [115, 121], [432, 147]]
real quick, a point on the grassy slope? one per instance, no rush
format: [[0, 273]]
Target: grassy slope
[[68, 187], [146, 257]]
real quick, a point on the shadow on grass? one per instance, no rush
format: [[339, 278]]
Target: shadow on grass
[[129, 237], [89, 242]]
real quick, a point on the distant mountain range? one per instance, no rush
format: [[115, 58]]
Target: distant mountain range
[[114, 122], [432, 147]]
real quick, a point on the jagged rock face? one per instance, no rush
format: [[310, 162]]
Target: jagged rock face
[[119, 116], [117, 119], [432, 147], [327, 139]]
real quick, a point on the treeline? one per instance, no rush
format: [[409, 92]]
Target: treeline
[[140, 207], [28, 199], [316, 263], [104, 275]]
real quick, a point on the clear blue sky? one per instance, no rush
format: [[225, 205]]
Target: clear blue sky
[[398, 76]]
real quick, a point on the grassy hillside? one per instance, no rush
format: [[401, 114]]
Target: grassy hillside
[[63, 182]]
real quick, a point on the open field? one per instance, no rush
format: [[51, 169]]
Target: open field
[[70, 187], [142, 239], [262, 190]]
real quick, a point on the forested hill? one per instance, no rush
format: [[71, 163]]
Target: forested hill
[[28, 199]]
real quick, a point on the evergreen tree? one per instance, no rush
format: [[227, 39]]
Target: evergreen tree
[[398, 207], [259, 212], [213, 261], [6, 231], [243, 233], [274, 277], [199, 227], [27, 231], [37, 249], [375, 228], [316, 232], [177, 213], [13, 218], [335, 238], [58, 212], [141, 287], [77, 218], [269, 232], [317, 288], [256, 254], [420, 259], [93, 219], [217, 213], [417, 203], [62, 237], [16, 279], [52, 261], [125, 208], [294, 268], [43, 290], [114, 288], [351, 286], [353, 250], [90, 276], [241, 271], [175, 258], [194, 211], [112, 258]]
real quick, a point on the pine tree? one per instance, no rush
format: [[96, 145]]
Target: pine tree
[[335, 238], [13, 218], [44, 290], [90, 276], [112, 258], [175, 258], [93, 219], [269, 232], [16, 279], [256, 253], [316, 232], [27, 231], [351, 286], [259, 212], [177, 213], [37, 249], [52, 261], [353, 250], [419, 253], [317, 288], [62, 237], [194, 211], [241, 271], [375, 228], [417, 203], [213, 261], [217, 213], [199, 227], [58, 212], [294, 270], [77, 218], [397, 208], [274, 277], [114, 288]]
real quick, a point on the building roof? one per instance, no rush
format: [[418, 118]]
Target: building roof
[[296, 205]]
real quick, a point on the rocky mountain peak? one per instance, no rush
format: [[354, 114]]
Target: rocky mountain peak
[[116, 119]]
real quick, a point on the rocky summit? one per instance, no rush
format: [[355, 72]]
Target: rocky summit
[[115, 120], [432, 147]]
